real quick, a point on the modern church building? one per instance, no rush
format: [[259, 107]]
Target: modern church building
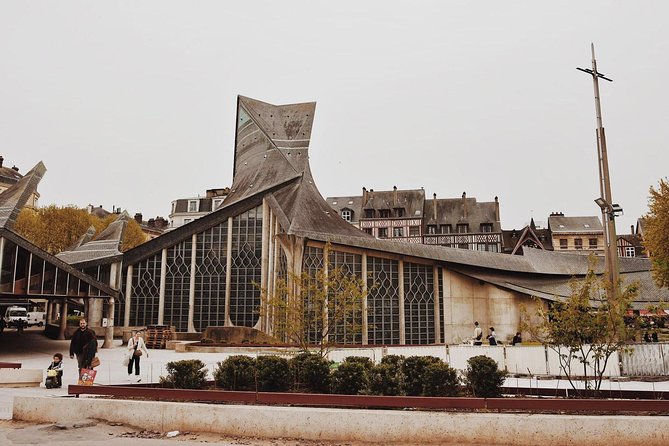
[[274, 223]]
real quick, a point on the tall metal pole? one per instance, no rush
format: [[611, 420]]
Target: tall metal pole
[[608, 215]]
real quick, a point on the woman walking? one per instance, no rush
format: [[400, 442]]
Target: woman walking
[[135, 347]]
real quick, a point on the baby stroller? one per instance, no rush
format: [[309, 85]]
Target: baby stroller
[[52, 379]]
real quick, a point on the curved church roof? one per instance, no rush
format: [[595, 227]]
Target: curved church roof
[[271, 162]]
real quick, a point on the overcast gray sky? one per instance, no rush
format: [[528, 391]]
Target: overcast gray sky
[[132, 103]]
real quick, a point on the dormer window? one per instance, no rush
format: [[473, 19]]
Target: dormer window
[[193, 205], [217, 203], [347, 215], [384, 213], [399, 212], [486, 227], [369, 213]]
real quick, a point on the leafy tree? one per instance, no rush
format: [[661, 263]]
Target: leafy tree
[[55, 228], [317, 311], [656, 232], [586, 329]]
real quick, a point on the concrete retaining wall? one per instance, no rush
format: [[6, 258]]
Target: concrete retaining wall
[[355, 425], [20, 377]]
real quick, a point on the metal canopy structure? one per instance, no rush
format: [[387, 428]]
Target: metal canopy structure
[[27, 271]]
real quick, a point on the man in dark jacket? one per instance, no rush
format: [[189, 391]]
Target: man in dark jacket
[[84, 344]]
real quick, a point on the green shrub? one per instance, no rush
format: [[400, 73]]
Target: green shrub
[[310, 372], [236, 373], [483, 378], [414, 368], [366, 362], [186, 374], [441, 380], [395, 360], [350, 378], [386, 379], [273, 373]]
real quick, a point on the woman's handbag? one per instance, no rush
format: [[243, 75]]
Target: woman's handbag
[[138, 352], [95, 362]]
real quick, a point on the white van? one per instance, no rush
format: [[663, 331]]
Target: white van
[[16, 317], [36, 318]]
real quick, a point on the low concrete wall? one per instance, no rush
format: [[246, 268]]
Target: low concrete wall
[[379, 426], [20, 377]]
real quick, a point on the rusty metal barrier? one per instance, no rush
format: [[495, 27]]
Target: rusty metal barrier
[[10, 365], [367, 401]]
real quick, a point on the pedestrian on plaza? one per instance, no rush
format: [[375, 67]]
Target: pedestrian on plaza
[[135, 347], [646, 337], [517, 339], [654, 336], [492, 337], [478, 334], [84, 344]]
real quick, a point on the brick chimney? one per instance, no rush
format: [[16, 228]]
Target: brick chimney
[[138, 218], [434, 206], [15, 168], [394, 195], [496, 208], [464, 205], [364, 195], [2, 159]]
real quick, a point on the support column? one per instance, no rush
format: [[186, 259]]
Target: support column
[[264, 266], [114, 283], [435, 293], [400, 274], [63, 320], [446, 296], [228, 276], [365, 322], [191, 291], [128, 297], [161, 292], [49, 310], [87, 311]]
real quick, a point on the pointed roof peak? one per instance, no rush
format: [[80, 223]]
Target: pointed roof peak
[[17, 195]]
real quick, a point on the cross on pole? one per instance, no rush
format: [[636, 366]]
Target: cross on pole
[[605, 201]]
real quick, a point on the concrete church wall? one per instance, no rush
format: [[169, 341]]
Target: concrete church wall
[[467, 300]]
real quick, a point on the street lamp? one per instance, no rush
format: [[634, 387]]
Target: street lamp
[[612, 210]]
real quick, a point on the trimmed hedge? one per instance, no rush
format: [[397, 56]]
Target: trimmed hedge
[[483, 378], [237, 372], [186, 374], [395, 375], [310, 373]]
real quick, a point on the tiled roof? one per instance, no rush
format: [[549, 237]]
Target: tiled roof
[[9, 176], [105, 247], [411, 200], [353, 203], [561, 224], [16, 196]]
